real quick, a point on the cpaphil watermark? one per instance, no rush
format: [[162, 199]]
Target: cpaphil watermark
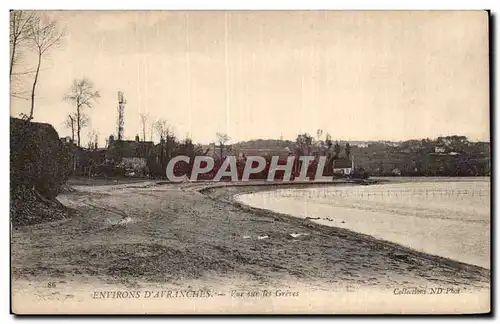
[[298, 167]]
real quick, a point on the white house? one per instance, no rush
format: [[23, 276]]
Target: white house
[[343, 166], [439, 149]]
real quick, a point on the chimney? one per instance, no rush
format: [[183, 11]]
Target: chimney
[[137, 138]]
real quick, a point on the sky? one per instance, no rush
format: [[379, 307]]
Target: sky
[[269, 74]]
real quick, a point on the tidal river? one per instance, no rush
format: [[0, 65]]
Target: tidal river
[[445, 217]]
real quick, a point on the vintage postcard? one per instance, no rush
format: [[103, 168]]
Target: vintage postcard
[[250, 162]]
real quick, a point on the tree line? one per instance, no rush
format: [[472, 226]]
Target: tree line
[[304, 144]]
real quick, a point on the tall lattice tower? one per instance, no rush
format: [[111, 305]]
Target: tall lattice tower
[[121, 108]]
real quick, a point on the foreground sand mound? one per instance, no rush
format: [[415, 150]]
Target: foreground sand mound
[[28, 207], [40, 165]]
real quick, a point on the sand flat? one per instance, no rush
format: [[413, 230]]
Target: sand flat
[[445, 218]]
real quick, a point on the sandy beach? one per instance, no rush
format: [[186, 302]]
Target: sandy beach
[[143, 235], [445, 217]]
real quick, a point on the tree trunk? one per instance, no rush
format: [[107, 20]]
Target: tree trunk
[[167, 150], [72, 128], [13, 53], [162, 157], [34, 85], [78, 121]]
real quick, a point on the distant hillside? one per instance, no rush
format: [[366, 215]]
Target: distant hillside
[[444, 156], [276, 143], [280, 144], [264, 144]]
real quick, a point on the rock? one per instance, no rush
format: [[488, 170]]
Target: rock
[[295, 235]]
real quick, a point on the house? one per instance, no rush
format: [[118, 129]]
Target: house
[[131, 155], [439, 149], [343, 166], [124, 149]]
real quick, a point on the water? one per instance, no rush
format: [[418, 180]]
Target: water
[[439, 216]]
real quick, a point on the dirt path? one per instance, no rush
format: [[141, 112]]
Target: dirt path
[[173, 235]]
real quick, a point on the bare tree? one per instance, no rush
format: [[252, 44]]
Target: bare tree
[[96, 140], [20, 29], [70, 123], [328, 141], [144, 119], [43, 35], [167, 140], [162, 128], [319, 142], [151, 129], [93, 137], [222, 138], [319, 132], [82, 94]]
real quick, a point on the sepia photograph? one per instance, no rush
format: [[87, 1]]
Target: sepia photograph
[[179, 162]]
